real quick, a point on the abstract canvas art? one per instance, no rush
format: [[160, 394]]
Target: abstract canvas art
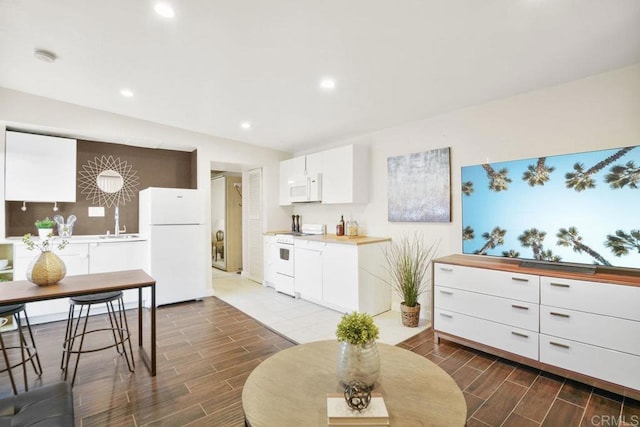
[[419, 187]]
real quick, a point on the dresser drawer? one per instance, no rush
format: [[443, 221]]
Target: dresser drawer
[[514, 340], [522, 287], [603, 331], [520, 314], [593, 297], [609, 365]]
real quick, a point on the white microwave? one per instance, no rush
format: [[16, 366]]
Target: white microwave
[[306, 188]]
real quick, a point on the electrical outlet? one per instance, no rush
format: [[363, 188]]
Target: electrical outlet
[[96, 211]]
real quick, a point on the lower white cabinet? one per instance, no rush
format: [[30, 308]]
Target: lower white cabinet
[[342, 276], [118, 256], [598, 362], [308, 270], [76, 260], [520, 314], [82, 258], [584, 327], [514, 340]]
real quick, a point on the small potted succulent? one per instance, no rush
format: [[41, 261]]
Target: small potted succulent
[[45, 228], [358, 357]]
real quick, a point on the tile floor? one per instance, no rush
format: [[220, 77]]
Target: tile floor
[[298, 320]]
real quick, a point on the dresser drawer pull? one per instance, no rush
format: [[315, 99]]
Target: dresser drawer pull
[[560, 285], [521, 307], [557, 344], [519, 279], [446, 292], [446, 315], [446, 268], [553, 313], [518, 334]]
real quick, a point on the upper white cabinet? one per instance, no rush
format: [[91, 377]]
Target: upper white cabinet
[[295, 168], [345, 175], [344, 171], [286, 171], [40, 168]]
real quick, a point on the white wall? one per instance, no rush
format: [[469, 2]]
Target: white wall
[[598, 112]]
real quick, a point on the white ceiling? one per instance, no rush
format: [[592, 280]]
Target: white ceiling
[[221, 62]]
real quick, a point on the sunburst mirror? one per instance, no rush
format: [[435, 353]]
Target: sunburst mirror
[[108, 181]]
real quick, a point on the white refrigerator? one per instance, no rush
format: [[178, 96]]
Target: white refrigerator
[[171, 219]]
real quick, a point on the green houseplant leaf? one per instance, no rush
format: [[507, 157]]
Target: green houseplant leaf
[[408, 261], [357, 329]]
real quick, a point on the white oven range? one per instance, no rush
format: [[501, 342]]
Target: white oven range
[[284, 265], [284, 280]]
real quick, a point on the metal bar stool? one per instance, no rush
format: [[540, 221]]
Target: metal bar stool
[[28, 350], [74, 340]]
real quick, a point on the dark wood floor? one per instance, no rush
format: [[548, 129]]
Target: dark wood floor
[[207, 350]]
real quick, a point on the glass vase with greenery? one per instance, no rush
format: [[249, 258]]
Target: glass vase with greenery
[[358, 357]]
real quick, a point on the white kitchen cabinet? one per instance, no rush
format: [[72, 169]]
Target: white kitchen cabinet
[[345, 175], [270, 254], [308, 270], [118, 256], [286, 172], [76, 260], [40, 168], [351, 278], [82, 258], [310, 164], [340, 274]]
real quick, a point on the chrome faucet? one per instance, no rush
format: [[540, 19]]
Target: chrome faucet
[[117, 218]]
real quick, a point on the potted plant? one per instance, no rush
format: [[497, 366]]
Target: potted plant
[[358, 357], [408, 262], [47, 268], [45, 227]]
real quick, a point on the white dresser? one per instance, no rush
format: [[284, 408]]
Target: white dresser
[[581, 326]]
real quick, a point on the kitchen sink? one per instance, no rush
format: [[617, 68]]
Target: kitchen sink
[[121, 236]]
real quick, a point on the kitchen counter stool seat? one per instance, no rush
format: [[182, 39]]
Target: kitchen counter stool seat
[[28, 350], [74, 342]]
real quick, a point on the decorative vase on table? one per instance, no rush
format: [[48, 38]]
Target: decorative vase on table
[[46, 269], [358, 363], [358, 357]]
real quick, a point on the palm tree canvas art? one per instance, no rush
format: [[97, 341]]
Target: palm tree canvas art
[[576, 208]]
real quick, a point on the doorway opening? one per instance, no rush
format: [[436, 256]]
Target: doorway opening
[[226, 221]]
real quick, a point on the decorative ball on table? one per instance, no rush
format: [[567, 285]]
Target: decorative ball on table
[[357, 395]]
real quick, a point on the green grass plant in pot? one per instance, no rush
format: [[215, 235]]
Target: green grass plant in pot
[[358, 357], [408, 262]]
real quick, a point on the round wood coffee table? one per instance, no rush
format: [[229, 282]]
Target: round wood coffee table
[[290, 388]]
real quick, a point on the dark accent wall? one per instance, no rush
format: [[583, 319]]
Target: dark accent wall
[[154, 167]]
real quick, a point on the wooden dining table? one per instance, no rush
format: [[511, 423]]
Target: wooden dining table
[[23, 291]]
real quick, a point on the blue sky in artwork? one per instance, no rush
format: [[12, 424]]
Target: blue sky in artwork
[[595, 213]]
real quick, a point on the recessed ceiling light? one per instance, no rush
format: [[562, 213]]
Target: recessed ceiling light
[[327, 83], [164, 9], [45, 55], [126, 93], [245, 125]]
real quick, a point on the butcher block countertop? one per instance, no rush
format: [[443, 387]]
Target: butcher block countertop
[[347, 240], [332, 238]]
